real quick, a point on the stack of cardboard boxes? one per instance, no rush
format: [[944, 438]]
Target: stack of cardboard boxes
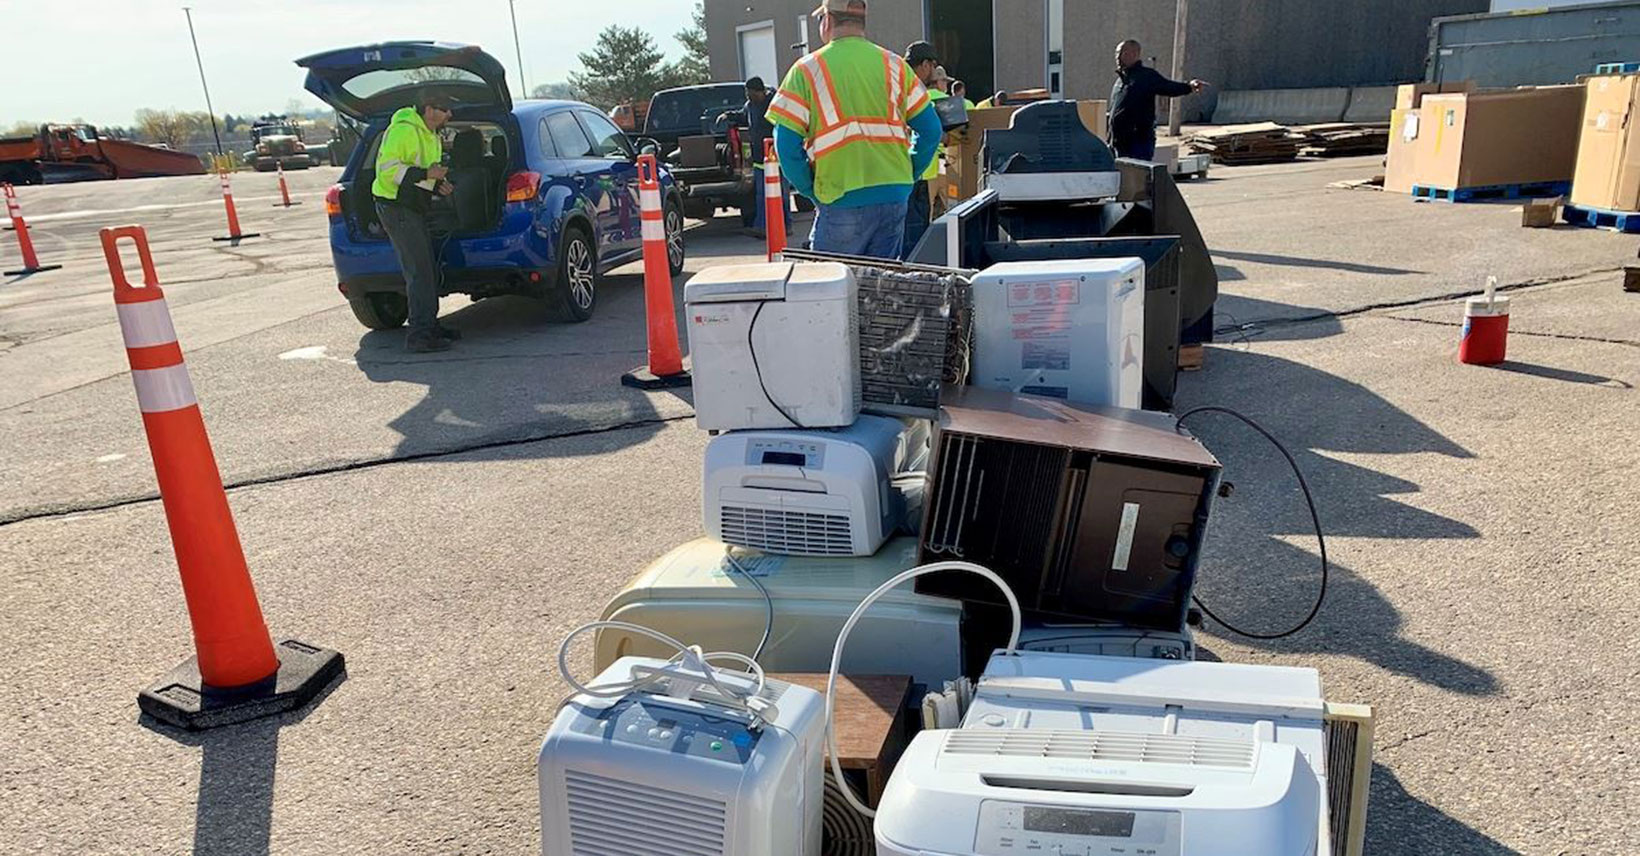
[[1451, 137]]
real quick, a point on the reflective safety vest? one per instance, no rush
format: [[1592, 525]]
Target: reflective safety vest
[[407, 142], [852, 101], [933, 170]]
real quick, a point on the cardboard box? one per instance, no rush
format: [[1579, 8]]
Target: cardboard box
[[1608, 155], [963, 147], [1540, 213], [1484, 139], [1409, 96]]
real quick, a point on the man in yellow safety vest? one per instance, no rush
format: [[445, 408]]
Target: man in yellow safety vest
[[409, 172], [853, 128]]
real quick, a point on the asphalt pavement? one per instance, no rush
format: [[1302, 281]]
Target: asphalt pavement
[[444, 519]]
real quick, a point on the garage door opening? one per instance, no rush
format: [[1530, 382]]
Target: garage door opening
[[758, 56], [963, 31]]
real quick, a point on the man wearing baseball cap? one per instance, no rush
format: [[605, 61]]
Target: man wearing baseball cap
[[409, 172], [919, 209], [853, 128]]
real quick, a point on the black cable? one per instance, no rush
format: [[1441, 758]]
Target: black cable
[[768, 620], [751, 328], [1315, 518]]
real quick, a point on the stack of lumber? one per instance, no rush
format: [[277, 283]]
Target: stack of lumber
[[1264, 142], [1342, 139]]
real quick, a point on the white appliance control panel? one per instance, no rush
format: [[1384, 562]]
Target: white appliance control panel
[[786, 451], [1022, 829]]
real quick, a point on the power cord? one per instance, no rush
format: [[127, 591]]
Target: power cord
[[690, 665], [1315, 518], [750, 329], [768, 620]]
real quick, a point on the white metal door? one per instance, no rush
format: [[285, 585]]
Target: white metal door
[[758, 55]]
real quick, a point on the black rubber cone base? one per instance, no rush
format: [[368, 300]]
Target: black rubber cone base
[[25, 271], [237, 238], [293, 204], [642, 378], [181, 699]]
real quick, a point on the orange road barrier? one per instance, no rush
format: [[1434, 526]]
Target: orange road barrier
[[774, 203], [238, 673], [665, 367], [233, 216], [31, 262], [284, 189]]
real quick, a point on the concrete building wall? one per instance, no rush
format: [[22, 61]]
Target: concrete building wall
[[893, 24], [1022, 44]]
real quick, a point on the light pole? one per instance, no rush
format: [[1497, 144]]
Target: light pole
[[187, 10], [523, 87], [1181, 17]]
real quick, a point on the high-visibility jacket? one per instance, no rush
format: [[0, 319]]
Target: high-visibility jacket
[[408, 148], [933, 170], [851, 101]]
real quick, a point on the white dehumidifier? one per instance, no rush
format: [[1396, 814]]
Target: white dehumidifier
[[774, 346], [811, 493], [645, 774], [1063, 329], [1069, 753]]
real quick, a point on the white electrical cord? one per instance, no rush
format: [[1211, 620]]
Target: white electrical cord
[[689, 664], [848, 627]]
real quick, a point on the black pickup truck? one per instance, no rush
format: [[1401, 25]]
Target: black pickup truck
[[698, 132]]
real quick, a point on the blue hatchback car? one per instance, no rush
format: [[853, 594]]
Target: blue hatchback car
[[546, 197]]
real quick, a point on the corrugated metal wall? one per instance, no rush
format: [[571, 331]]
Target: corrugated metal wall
[[1534, 47]]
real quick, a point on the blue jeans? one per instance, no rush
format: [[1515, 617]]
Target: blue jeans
[[759, 203], [1139, 146], [874, 231]]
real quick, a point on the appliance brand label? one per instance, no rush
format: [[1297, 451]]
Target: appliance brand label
[[1124, 536], [1042, 309]]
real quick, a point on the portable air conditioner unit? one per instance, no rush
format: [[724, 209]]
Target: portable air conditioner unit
[[774, 346], [1091, 514], [649, 774], [808, 492], [1065, 753], [693, 593], [1073, 330]]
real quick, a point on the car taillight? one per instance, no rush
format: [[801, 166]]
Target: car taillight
[[333, 200], [522, 186], [734, 148]]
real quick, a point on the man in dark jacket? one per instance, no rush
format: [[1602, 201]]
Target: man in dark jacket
[[758, 131], [1133, 102]]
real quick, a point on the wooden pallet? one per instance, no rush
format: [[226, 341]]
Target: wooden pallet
[[1528, 190], [1601, 218], [1617, 68]]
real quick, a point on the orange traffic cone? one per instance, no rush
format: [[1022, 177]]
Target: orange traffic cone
[[31, 262], [233, 216], [237, 673], [665, 368], [774, 203], [284, 189]]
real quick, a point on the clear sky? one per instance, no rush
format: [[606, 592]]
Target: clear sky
[[103, 59]]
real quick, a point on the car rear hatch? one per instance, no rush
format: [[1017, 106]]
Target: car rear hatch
[[374, 80]]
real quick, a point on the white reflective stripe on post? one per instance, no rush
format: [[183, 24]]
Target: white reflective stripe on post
[[164, 390], [146, 324], [650, 199], [654, 230], [771, 172]]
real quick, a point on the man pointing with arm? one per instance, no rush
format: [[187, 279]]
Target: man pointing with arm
[[854, 127], [1133, 102]]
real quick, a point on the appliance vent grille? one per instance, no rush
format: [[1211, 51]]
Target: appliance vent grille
[[1103, 746], [1349, 730], [793, 533], [609, 816]]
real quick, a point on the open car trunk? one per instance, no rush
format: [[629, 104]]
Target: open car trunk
[[479, 156]]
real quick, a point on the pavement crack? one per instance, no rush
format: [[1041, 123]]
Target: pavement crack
[[1571, 337], [345, 467]]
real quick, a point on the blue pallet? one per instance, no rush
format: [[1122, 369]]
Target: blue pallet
[[1495, 191], [1617, 68], [1601, 218]]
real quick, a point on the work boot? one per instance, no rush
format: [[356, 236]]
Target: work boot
[[425, 342], [449, 333]]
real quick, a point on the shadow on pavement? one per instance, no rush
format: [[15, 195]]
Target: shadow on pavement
[[1567, 375], [233, 815], [515, 378], [1398, 822], [1251, 575], [1328, 264], [1239, 320]]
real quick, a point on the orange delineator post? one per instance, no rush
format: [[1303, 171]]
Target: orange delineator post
[[284, 190], [774, 203], [233, 216], [31, 262], [665, 366], [229, 632]]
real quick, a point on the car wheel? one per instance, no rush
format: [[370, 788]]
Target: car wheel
[[575, 294], [674, 239], [382, 310]]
